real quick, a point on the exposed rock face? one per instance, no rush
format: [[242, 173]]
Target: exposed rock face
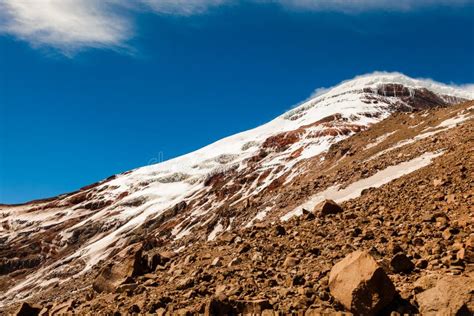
[[360, 284], [126, 265], [327, 207], [449, 295], [10, 265]]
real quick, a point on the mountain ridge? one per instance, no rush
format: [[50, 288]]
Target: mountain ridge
[[368, 81], [225, 186]]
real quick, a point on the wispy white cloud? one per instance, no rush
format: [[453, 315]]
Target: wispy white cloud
[[467, 87], [68, 25], [72, 25], [357, 6], [183, 7]]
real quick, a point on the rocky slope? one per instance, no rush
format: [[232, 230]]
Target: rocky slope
[[231, 228]]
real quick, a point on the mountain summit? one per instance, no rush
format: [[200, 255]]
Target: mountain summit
[[342, 144]]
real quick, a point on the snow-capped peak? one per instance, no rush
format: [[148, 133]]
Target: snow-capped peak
[[376, 79], [301, 133]]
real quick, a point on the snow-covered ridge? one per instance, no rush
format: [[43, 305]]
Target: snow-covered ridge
[[188, 172], [343, 99], [374, 81], [380, 78]]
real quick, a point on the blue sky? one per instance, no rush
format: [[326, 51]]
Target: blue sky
[[92, 88]]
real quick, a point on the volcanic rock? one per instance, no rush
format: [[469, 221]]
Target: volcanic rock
[[450, 295], [280, 230], [401, 263], [217, 262], [234, 262], [255, 307], [430, 225], [327, 207], [185, 283], [290, 261], [360, 284], [127, 264], [218, 306], [28, 310]]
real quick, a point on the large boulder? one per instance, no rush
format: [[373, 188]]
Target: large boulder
[[448, 295], [126, 265], [360, 284], [327, 207]]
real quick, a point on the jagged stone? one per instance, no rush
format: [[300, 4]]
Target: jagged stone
[[327, 207], [27, 309], [127, 265], [185, 283], [255, 307], [360, 284], [394, 248], [218, 306], [62, 308], [235, 262], [290, 261], [217, 262], [257, 257], [448, 295], [167, 255], [466, 255], [425, 282], [400, 263], [244, 248], [280, 230]]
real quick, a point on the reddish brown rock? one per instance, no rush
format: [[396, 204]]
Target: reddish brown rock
[[280, 230], [218, 306], [290, 261], [28, 310], [401, 264], [255, 307], [360, 284], [450, 295], [127, 264], [62, 309], [327, 207]]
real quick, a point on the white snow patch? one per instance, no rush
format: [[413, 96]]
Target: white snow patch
[[180, 249], [379, 140], [452, 122], [217, 229], [179, 232], [260, 216], [355, 189], [441, 127], [231, 220]]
